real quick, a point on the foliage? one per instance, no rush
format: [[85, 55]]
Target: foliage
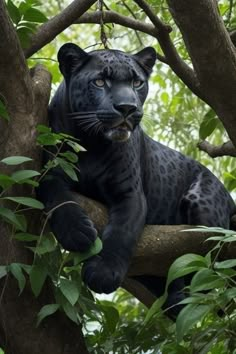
[[51, 263], [25, 17], [207, 323]]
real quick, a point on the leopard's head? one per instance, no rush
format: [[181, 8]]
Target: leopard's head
[[105, 89]]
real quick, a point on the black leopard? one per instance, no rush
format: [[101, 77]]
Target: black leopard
[[141, 181]]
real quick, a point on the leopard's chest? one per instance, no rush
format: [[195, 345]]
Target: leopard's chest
[[110, 175]]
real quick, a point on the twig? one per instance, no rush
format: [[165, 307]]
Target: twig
[[171, 57], [103, 35], [49, 30], [114, 17], [182, 70], [226, 149], [135, 17], [161, 27]]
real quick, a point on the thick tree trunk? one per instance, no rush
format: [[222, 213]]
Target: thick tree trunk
[[26, 95], [212, 53]]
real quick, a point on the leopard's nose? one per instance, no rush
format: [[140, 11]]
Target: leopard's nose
[[126, 109]]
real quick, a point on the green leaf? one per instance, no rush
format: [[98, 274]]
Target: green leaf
[[38, 276], [208, 124], [24, 34], [70, 290], [22, 221], [229, 239], [6, 181], [34, 15], [112, 317], [196, 298], [71, 312], [11, 218], [70, 156], [27, 4], [16, 270], [230, 263], [68, 168], [75, 146], [155, 308], [49, 139], [206, 279], [47, 310], [188, 317], [215, 238], [47, 244], [30, 202], [15, 160], [184, 265], [94, 249], [43, 129], [3, 111], [23, 175], [25, 237], [13, 12]]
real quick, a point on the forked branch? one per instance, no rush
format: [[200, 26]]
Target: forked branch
[[226, 149]]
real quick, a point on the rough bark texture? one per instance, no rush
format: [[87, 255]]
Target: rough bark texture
[[226, 149], [26, 95], [212, 53]]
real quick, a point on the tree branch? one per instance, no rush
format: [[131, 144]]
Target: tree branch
[[114, 17], [212, 53], [171, 57], [159, 245], [226, 149], [182, 70], [49, 30], [158, 24]]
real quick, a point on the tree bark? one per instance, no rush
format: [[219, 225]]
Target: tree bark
[[26, 95], [212, 53], [159, 245]]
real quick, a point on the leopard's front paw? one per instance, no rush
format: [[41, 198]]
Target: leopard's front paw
[[73, 229], [102, 274]]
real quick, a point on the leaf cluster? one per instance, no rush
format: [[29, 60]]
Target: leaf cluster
[[207, 323]]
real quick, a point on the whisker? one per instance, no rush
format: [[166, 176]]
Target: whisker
[[84, 123], [83, 117], [97, 128], [85, 120], [92, 128], [88, 121], [79, 113]]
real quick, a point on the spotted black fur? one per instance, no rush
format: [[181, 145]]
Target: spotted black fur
[[140, 180]]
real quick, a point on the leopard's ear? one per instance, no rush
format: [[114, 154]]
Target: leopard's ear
[[146, 58], [71, 56]]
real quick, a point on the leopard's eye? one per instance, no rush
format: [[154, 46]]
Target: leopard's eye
[[99, 82], [137, 83]]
